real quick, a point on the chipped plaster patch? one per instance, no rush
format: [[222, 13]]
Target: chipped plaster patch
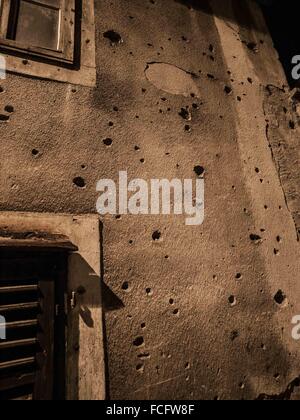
[[172, 79]]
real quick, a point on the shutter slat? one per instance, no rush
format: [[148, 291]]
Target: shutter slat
[[17, 380], [18, 289], [18, 343], [21, 324], [19, 307], [17, 363]]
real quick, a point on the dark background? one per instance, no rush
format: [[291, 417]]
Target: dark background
[[283, 19]]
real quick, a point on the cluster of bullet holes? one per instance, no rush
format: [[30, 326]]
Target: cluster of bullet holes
[[186, 113]]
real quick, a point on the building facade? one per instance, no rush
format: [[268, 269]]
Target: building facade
[[150, 308]]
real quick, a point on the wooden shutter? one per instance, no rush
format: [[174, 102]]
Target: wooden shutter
[[32, 301]]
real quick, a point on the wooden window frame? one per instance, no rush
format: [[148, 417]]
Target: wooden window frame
[[65, 51], [82, 71]]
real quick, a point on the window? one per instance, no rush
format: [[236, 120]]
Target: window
[[44, 28], [49, 39]]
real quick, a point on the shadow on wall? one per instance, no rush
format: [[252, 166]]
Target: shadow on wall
[[244, 16]]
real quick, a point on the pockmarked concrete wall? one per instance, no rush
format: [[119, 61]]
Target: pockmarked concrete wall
[[205, 311]]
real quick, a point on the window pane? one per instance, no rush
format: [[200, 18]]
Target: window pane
[[38, 25]]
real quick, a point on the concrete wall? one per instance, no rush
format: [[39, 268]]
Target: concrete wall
[[192, 315]]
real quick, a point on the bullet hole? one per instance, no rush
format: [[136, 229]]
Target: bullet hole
[[199, 170], [115, 108], [234, 335], [276, 251], [211, 48], [149, 291], [167, 257], [250, 80], [1, 89], [111, 124], [241, 385], [125, 286], [278, 239], [292, 125], [4, 118], [188, 128], [25, 62], [144, 356], [156, 236], [280, 297], [108, 142], [257, 170], [140, 368], [35, 152], [118, 217], [142, 160], [232, 300], [79, 182], [239, 99], [143, 325], [185, 114], [171, 302], [252, 46], [176, 312], [187, 366], [9, 109], [113, 37], [255, 238], [139, 342], [87, 41], [227, 90], [277, 376], [195, 106], [184, 38], [210, 76], [266, 207], [263, 347], [238, 276], [130, 242], [137, 148]]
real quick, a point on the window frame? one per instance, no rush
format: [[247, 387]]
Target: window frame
[[65, 53]]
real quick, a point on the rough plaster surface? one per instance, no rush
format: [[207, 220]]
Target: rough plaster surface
[[192, 315]]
